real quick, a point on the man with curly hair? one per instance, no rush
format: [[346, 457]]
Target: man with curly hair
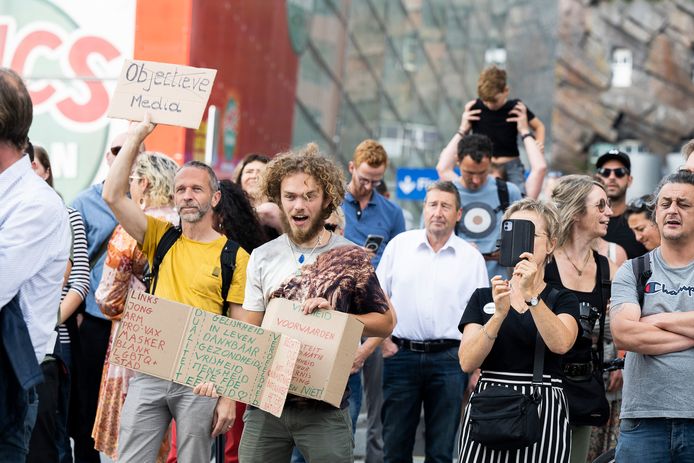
[[323, 271]]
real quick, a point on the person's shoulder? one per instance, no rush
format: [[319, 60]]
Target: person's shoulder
[[270, 247], [408, 237], [478, 104]]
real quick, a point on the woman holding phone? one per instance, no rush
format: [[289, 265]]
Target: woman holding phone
[[500, 326], [584, 214]]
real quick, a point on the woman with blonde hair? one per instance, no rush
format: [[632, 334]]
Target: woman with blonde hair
[[505, 329], [584, 215], [152, 187]]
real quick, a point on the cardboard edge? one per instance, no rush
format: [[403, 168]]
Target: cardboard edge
[[284, 356], [336, 385]]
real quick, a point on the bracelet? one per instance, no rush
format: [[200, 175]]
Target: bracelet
[[526, 135], [484, 330], [462, 135]]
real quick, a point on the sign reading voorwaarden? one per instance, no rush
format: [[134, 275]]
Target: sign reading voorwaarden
[[190, 346], [173, 94]]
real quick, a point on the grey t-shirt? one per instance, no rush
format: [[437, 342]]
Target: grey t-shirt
[[658, 386]]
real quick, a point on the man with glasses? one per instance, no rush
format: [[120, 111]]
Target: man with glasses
[[93, 333], [614, 169], [483, 197], [367, 212]]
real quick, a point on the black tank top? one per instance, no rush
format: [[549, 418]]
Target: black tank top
[[581, 351]]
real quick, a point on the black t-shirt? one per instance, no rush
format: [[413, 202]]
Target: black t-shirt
[[581, 351], [494, 125], [514, 347], [618, 231]]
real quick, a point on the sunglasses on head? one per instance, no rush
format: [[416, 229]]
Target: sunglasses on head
[[641, 204], [115, 150], [619, 172]]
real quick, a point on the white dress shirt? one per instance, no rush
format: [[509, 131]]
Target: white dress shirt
[[428, 289], [34, 249]]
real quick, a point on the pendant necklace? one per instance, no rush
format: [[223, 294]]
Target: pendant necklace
[[300, 261], [585, 263]]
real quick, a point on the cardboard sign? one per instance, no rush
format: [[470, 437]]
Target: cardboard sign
[[329, 340], [191, 346], [173, 94]]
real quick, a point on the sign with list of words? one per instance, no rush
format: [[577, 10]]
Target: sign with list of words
[[329, 341], [171, 93], [190, 346]]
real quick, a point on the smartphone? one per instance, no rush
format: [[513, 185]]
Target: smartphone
[[373, 242], [517, 237]]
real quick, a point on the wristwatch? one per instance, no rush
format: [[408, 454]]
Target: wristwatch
[[533, 302]]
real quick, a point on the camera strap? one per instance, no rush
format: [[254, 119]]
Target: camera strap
[[606, 292], [539, 360]]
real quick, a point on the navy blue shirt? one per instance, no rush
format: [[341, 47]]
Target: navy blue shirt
[[380, 217]]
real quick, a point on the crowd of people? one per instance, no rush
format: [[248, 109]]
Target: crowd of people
[[443, 313]]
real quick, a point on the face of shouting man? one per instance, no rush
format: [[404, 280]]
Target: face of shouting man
[[193, 194], [303, 202]]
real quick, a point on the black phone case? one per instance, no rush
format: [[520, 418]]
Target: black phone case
[[517, 237]]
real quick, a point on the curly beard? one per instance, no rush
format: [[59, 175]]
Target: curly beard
[[300, 236]]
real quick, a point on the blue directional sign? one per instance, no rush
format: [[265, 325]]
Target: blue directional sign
[[412, 182]]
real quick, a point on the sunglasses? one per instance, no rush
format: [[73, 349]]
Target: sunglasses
[[331, 227], [115, 150], [619, 172], [603, 204], [642, 204]]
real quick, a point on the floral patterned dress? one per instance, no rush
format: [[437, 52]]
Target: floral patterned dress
[[124, 268]]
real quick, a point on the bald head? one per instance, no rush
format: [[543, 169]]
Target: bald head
[[116, 144]]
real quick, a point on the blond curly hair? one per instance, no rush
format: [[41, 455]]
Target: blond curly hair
[[307, 160]]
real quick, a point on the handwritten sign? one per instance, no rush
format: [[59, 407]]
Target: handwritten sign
[[173, 94], [191, 346], [329, 340]]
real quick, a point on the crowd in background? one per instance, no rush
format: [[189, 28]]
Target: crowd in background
[[468, 323]]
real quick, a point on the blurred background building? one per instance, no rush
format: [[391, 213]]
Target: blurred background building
[[339, 71]]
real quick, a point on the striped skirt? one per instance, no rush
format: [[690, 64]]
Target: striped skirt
[[555, 445]]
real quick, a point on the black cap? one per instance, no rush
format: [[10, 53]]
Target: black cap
[[616, 155]]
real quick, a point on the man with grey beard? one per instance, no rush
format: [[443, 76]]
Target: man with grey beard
[[189, 274]]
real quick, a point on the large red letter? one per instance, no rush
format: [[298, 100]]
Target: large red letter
[[96, 106]]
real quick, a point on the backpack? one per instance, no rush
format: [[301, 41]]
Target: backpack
[[227, 259], [641, 266], [502, 192]]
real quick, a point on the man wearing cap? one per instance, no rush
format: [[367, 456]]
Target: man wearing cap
[[614, 168]]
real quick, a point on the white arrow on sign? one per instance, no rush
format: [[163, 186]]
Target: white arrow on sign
[[406, 185]]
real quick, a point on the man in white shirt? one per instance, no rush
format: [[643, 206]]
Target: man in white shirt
[[429, 275], [34, 249]]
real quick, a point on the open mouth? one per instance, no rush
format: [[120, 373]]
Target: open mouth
[[299, 219]]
